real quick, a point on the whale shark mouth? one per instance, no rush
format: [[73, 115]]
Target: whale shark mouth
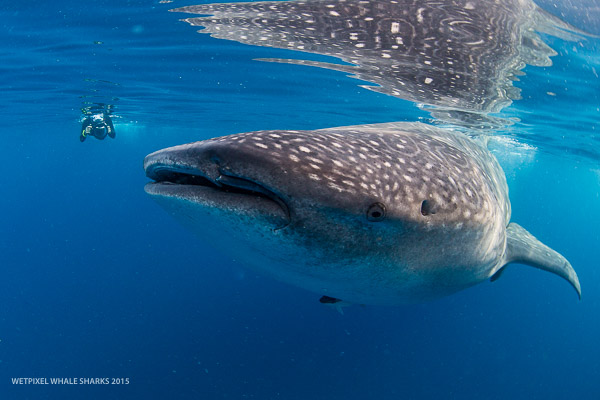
[[167, 177], [225, 181]]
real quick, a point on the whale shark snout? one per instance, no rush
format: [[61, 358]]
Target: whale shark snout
[[195, 174]]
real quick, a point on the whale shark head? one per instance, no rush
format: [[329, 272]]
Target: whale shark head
[[386, 213]]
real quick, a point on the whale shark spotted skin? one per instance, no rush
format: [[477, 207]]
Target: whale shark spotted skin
[[461, 56], [372, 214]]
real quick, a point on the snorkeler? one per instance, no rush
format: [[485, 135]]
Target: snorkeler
[[97, 125]]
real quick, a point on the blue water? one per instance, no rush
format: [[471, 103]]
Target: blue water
[[97, 281]]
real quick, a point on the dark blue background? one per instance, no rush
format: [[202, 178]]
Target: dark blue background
[[98, 281]]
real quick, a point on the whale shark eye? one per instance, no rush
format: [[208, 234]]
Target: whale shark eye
[[427, 208], [376, 212]]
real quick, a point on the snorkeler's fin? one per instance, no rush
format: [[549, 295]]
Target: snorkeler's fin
[[522, 247], [110, 127]]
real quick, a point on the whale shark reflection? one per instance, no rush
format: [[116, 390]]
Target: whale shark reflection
[[457, 58]]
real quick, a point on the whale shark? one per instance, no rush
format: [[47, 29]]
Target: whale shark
[[387, 213]]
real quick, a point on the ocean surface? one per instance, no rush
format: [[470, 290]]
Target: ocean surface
[[97, 281]]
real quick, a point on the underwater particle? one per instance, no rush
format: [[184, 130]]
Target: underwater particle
[[98, 42]]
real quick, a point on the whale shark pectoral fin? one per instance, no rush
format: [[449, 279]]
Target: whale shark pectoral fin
[[523, 247], [335, 303], [311, 63], [497, 274], [328, 300]]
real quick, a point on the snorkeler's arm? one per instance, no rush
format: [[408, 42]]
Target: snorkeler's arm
[[84, 125]]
